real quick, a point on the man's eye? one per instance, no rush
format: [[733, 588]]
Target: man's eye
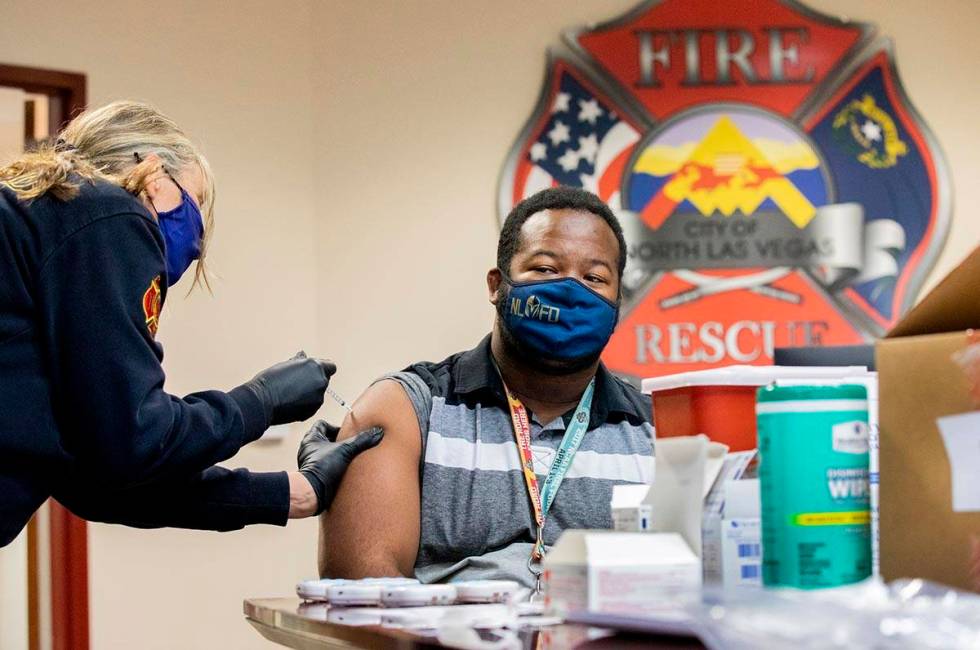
[[545, 269], [596, 279]]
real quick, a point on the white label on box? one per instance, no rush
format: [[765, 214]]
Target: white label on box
[[640, 590], [850, 437], [565, 589], [742, 552], [632, 520], [961, 435], [711, 547]]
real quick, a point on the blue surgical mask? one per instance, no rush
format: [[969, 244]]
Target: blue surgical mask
[[182, 230], [561, 319]]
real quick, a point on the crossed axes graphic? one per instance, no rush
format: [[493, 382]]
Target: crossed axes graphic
[[708, 285]]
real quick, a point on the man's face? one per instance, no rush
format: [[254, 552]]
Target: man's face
[[556, 244], [568, 244]]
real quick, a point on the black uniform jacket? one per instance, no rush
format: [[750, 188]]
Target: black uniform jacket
[[83, 412]]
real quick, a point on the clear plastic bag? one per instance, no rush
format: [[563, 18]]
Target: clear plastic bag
[[904, 614]]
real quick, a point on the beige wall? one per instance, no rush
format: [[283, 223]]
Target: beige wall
[[357, 147]]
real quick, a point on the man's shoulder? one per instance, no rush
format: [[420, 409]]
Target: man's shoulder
[[439, 376], [631, 391], [461, 373], [627, 397], [642, 401], [425, 381]]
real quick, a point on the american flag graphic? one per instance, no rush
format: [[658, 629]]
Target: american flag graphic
[[584, 143]]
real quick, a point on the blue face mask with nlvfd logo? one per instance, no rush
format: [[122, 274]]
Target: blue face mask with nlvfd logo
[[559, 319], [182, 230]]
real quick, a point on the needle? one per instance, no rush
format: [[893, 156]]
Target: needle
[[339, 400]]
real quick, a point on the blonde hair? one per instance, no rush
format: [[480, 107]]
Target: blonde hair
[[100, 145]]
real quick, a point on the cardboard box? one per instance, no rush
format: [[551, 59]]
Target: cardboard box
[[921, 535], [618, 573]]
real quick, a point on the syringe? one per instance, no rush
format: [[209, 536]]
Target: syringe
[[339, 400]]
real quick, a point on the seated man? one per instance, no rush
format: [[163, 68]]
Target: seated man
[[444, 496]]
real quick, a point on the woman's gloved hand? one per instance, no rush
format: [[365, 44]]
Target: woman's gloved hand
[[322, 461], [292, 391]]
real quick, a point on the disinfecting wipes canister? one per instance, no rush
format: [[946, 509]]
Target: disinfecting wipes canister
[[813, 473]]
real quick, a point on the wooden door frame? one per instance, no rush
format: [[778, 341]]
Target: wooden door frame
[[67, 86], [69, 534]]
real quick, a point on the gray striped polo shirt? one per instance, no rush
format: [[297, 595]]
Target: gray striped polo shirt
[[476, 518]]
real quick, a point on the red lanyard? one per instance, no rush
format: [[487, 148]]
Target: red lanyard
[[522, 434]]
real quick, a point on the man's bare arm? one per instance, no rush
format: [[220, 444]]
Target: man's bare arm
[[372, 528]]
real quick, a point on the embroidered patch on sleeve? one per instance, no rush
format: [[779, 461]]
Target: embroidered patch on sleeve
[[151, 306]]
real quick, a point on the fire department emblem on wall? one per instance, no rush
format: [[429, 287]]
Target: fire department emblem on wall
[[775, 184]]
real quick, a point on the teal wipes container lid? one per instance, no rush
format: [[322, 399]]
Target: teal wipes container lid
[[773, 393]]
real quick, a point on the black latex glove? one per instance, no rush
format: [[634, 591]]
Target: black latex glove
[[323, 461], [292, 391]]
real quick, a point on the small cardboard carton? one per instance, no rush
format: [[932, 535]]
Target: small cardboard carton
[[630, 513], [925, 533], [618, 573], [737, 465]]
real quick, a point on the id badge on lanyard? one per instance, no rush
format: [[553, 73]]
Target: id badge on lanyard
[[544, 495]]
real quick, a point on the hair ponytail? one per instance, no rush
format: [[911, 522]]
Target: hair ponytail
[[47, 170]]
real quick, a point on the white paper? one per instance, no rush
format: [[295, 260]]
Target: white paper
[[629, 496], [961, 435], [742, 499], [713, 462], [677, 493]]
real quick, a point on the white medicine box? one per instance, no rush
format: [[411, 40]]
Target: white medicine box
[[741, 535], [622, 573]]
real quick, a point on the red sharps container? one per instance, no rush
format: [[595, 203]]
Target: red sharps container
[[720, 402]]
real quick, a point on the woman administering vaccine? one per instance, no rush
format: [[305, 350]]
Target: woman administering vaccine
[[94, 229]]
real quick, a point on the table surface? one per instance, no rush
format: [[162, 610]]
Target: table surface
[[296, 624]]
